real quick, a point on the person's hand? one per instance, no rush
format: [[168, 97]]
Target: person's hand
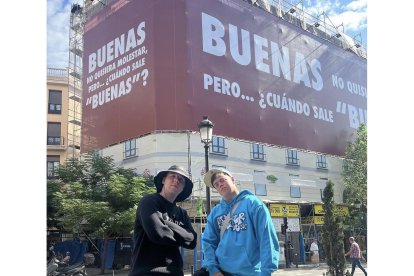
[[165, 216]]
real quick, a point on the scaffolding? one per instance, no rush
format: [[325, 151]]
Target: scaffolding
[[319, 25], [76, 28]]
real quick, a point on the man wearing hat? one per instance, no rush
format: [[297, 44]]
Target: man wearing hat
[[162, 227], [239, 238]]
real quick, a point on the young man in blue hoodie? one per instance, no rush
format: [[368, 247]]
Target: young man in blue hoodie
[[249, 244]]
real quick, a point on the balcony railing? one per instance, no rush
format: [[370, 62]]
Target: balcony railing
[[55, 140], [57, 72], [321, 165], [292, 161], [257, 156]]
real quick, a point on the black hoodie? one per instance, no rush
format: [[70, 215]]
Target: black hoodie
[[161, 227]]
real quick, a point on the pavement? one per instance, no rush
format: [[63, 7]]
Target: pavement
[[306, 269]]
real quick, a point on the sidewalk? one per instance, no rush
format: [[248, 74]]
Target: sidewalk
[[92, 271]]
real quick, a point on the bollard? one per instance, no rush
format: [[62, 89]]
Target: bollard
[[296, 260]]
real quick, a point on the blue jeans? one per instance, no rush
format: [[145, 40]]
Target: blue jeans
[[356, 262]]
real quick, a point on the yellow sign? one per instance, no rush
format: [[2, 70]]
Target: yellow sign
[[319, 219], [338, 210], [313, 220], [306, 220], [284, 210]]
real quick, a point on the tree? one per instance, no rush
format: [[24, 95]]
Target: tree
[[354, 176], [96, 195], [332, 234], [354, 172]]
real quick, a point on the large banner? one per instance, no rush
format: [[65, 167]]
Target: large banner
[[162, 65]]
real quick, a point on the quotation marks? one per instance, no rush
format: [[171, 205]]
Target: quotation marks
[[144, 73], [340, 107]]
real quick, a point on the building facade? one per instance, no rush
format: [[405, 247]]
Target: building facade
[[63, 120]]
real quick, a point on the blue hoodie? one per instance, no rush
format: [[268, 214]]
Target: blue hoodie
[[249, 246]]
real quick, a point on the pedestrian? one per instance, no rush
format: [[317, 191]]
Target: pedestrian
[[355, 254], [314, 248], [162, 227], [239, 238]]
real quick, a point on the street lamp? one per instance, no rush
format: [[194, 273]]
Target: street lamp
[[357, 204], [206, 134]]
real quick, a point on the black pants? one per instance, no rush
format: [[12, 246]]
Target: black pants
[[356, 262], [203, 272]]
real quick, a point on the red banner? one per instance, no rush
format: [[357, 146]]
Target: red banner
[[256, 76]]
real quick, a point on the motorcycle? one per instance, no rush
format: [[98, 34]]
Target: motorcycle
[[57, 268]]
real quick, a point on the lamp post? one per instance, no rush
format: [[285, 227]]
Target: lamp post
[[206, 134]]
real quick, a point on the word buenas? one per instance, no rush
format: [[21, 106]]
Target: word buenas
[[270, 59], [117, 47], [111, 93]]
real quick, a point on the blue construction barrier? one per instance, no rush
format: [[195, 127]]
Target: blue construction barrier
[[110, 253], [76, 248]]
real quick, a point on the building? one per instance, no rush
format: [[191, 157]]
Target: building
[[57, 119], [62, 144]]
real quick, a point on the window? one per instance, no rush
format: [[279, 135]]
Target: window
[[295, 192], [99, 152], [55, 102], [53, 134], [259, 179], [260, 189], [52, 165], [257, 152], [130, 148], [218, 145], [292, 157], [321, 161]]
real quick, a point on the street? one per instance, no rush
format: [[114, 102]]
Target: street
[[302, 270]]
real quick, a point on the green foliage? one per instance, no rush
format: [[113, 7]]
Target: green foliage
[[52, 203], [354, 176], [332, 234], [354, 172], [272, 178], [96, 195]]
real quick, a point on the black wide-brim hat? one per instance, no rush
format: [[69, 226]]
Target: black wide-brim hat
[[188, 187]]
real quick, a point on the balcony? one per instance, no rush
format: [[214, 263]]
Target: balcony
[[218, 150], [56, 143], [321, 165], [291, 161], [258, 156]]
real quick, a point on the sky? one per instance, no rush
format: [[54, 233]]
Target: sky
[[352, 15]]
